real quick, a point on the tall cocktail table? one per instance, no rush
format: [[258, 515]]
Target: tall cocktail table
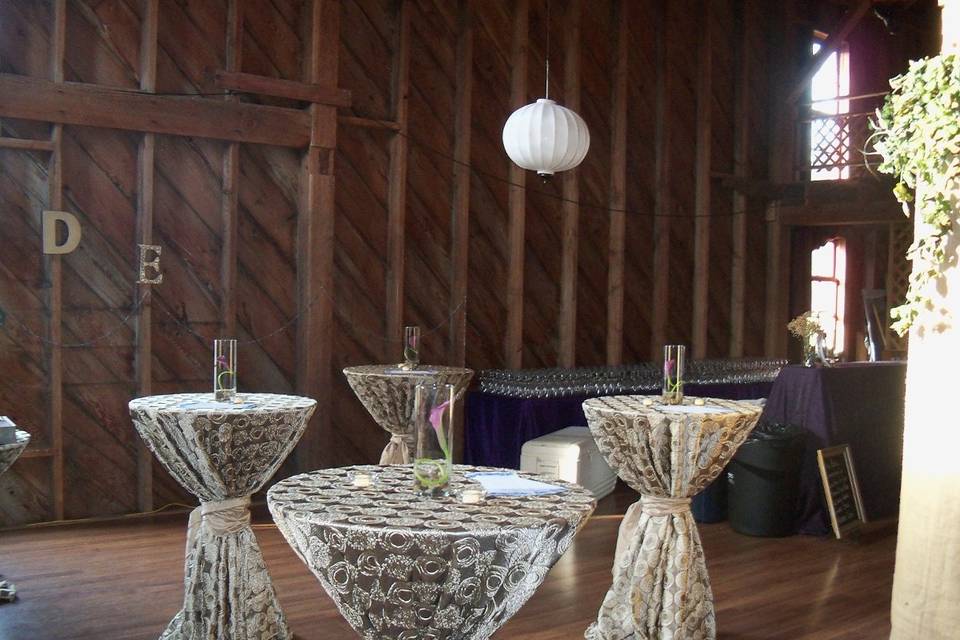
[[8, 455], [222, 453], [668, 453], [387, 392], [400, 566]]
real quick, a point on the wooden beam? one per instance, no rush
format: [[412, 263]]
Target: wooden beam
[[315, 236], [460, 214], [830, 45], [229, 198], [54, 273], [146, 176], [701, 207], [570, 211], [618, 188], [741, 171], [780, 171], [26, 144], [267, 86], [663, 202], [397, 180], [517, 195], [829, 214], [114, 108], [368, 123]]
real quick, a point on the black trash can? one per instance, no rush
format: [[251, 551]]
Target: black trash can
[[710, 505], [763, 481]]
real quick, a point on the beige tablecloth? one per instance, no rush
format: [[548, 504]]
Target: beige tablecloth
[[8, 455], [10, 452], [404, 567], [387, 393], [660, 588], [222, 453]]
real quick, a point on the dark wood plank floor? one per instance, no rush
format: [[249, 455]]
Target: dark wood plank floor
[[123, 580]]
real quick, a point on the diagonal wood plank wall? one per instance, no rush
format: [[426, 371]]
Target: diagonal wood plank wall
[[314, 248]]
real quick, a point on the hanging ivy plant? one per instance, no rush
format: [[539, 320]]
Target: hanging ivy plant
[[917, 135]]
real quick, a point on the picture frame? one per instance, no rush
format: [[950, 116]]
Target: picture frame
[[841, 489]]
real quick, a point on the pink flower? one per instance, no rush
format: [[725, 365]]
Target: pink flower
[[436, 415], [222, 362], [668, 366]]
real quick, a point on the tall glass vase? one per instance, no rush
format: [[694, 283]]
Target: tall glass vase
[[411, 348], [673, 362], [224, 370], [433, 412]]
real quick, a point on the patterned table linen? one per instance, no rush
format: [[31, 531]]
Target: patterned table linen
[[222, 453], [660, 588], [10, 452], [387, 393], [8, 455], [404, 567]]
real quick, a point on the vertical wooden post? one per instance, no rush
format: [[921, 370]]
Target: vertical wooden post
[[460, 214], [315, 237], [570, 222], [741, 169], [701, 224], [145, 204], [663, 202], [230, 189], [397, 180], [618, 188], [781, 155], [54, 274], [517, 196]]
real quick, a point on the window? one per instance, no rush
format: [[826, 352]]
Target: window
[[828, 268], [829, 126]]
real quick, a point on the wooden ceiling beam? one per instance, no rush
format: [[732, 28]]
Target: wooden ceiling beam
[[275, 87], [81, 104], [830, 45]]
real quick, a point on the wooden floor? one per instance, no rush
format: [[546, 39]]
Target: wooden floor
[[123, 580]]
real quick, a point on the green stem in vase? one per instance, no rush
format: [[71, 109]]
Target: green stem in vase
[[220, 383]]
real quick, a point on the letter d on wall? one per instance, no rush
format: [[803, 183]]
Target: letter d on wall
[[50, 219]]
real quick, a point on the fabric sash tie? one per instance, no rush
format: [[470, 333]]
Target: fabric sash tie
[[657, 506], [219, 517], [398, 449]]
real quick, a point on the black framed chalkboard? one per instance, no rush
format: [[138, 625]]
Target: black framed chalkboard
[[841, 489]]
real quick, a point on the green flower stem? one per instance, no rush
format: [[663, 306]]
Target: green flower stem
[[220, 375]]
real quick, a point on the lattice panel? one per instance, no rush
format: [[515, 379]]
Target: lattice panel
[[898, 276]]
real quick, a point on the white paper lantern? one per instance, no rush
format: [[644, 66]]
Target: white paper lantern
[[545, 137]]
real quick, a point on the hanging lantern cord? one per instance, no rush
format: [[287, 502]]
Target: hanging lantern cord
[[546, 89]]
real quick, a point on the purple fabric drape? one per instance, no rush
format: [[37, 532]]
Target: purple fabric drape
[[859, 404], [497, 426]]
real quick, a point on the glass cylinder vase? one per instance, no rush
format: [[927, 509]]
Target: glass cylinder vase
[[224, 369], [411, 348], [433, 412], [673, 362]]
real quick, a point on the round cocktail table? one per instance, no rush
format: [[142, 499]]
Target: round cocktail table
[[668, 453], [8, 455], [222, 452], [401, 566], [387, 393]]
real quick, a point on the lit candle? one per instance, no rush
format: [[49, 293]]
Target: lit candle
[[471, 496], [699, 402], [362, 480], [647, 402]]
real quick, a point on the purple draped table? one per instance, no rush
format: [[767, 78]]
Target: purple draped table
[[497, 425], [859, 404]]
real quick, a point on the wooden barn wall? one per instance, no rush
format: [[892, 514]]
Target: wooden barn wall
[[416, 235]]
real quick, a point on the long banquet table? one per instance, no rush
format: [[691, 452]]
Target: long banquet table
[[497, 425], [860, 404]]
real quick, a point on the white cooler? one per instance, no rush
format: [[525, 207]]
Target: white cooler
[[569, 454]]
